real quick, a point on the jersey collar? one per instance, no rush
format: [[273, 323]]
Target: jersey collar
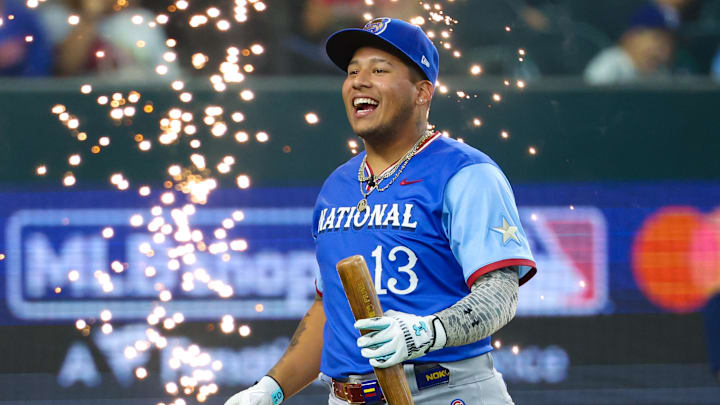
[[368, 170]]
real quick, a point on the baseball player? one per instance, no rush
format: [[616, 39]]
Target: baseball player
[[437, 224]]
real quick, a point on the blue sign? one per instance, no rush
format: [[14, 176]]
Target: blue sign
[[249, 254]]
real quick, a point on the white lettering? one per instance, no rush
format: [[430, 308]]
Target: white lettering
[[341, 213], [268, 273], [407, 269], [113, 347], [321, 222], [329, 220], [357, 224], [407, 216], [351, 215], [392, 281], [46, 270], [240, 367], [269, 270], [377, 215], [533, 364], [78, 366], [136, 283], [393, 216]]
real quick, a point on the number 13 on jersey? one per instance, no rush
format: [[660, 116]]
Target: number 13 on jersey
[[392, 281]]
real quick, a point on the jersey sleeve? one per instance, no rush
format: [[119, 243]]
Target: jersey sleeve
[[482, 224], [314, 230]]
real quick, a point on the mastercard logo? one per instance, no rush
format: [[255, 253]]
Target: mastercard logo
[[676, 258]]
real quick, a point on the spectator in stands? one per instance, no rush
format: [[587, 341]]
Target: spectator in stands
[[673, 10], [111, 39], [305, 44], [24, 50], [715, 68], [644, 52]]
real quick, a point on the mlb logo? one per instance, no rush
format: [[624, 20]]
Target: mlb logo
[[569, 246]]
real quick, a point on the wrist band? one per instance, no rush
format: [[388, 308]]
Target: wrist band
[[276, 395]]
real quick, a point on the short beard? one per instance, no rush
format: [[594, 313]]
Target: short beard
[[385, 133]]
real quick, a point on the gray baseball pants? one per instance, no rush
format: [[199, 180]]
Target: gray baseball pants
[[472, 381]]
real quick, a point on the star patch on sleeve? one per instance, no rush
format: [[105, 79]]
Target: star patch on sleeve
[[508, 232]]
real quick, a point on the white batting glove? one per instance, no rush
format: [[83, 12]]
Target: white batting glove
[[265, 392], [398, 336]]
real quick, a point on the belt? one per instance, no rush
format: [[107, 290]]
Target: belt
[[369, 392], [366, 392]]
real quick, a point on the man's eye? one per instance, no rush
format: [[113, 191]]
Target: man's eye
[[352, 72], [378, 70]]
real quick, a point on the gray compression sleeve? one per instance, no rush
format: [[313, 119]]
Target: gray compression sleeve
[[490, 305]]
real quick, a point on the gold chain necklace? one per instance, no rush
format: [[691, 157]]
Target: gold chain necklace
[[397, 168]]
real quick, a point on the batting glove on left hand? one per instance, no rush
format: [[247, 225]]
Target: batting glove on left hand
[[264, 392], [398, 336]]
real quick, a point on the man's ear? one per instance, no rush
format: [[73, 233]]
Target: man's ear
[[424, 92]]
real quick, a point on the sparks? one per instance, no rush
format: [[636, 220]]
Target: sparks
[[312, 118]]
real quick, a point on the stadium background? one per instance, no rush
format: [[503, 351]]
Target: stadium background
[[621, 201]]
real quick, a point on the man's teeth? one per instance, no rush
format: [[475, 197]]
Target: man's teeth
[[364, 100]]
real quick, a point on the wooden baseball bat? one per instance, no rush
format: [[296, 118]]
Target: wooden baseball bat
[[364, 303]]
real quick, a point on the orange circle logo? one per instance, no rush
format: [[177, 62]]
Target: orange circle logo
[[676, 258]]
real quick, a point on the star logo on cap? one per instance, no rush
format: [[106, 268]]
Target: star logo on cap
[[508, 232]]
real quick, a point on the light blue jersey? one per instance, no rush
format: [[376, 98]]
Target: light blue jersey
[[449, 218]]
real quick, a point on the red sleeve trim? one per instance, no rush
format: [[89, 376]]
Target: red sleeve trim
[[316, 289], [504, 263]]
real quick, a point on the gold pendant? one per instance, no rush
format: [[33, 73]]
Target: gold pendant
[[362, 205]]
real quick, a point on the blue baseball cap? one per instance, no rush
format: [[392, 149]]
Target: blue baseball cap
[[409, 39], [651, 16]]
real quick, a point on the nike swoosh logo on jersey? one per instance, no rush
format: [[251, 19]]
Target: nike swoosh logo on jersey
[[405, 182]]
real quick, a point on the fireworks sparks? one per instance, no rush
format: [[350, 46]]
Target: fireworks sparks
[[194, 174], [243, 181], [262, 137], [69, 180], [227, 325], [247, 95], [108, 232], [312, 118]]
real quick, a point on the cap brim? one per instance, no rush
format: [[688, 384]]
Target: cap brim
[[341, 46]]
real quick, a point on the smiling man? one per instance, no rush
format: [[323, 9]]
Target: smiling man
[[437, 222]]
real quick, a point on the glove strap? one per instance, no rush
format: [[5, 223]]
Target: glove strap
[[439, 334], [270, 385]]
